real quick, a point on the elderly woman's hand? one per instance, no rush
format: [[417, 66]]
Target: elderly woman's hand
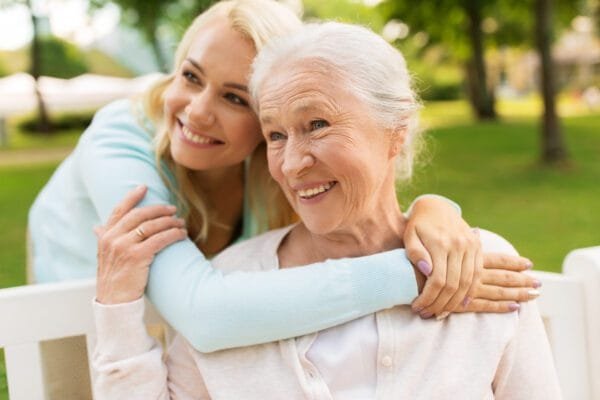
[[127, 245], [446, 250]]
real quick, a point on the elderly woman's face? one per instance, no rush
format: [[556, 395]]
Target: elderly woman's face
[[325, 149]]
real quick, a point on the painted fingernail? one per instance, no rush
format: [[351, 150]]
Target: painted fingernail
[[533, 293], [424, 267], [426, 315], [442, 315], [514, 306], [466, 301], [529, 264], [537, 284]]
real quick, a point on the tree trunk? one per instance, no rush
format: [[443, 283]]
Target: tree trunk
[[480, 94], [553, 146], [44, 124]]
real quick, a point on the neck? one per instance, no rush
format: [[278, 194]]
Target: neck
[[214, 180], [380, 231]]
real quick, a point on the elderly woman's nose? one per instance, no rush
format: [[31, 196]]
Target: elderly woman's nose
[[200, 108], [297, 159]]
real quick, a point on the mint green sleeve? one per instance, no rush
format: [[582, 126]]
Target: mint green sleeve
[[215, 311]]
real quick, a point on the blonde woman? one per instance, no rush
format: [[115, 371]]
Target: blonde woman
[[194, 141]]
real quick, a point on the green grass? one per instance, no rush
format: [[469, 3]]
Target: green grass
[[19, 188]]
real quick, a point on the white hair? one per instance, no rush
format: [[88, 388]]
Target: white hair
[[371, 68]]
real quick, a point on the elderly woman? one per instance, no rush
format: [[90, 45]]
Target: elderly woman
[[339, 118]]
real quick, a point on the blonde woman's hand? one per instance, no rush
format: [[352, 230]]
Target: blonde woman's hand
[[446, 251], [503, 284], [128, 243]]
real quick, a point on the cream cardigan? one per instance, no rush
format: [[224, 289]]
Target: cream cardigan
[[465, 356]]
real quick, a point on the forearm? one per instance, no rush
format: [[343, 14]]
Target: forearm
[[215, 311], [127, 361]]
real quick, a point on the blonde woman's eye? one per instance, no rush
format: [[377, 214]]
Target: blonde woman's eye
[[190, 77], [318, 124], [235, 99]]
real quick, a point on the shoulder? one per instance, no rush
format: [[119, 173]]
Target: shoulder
[[493, 243], [257, 253]]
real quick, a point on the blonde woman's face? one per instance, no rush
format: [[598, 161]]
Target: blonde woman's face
[[207, 105]]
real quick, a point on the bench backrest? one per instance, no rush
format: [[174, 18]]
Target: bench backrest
[[569, 305], [36, 313]]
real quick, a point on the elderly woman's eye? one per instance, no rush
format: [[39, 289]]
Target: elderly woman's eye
[[318, 124], [275, 136]]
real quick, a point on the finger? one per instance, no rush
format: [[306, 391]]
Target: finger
[[416, 252], [453, 273], [137, 216], [466, 280], [129, 201], [154, 226], [506, 261], [480, 305], [497, 293], [476, 277], [498, 277], [99, 231], [434, 284], [160, 240]]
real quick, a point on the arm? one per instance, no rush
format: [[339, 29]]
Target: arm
[[526, 370], [214, 311], [130, 364]]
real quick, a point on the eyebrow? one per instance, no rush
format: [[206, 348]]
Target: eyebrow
[[232, 85]]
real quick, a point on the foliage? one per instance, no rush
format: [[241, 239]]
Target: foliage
[[61, 59], [344, 11], [75, 121], [3, 70], [151, 17]]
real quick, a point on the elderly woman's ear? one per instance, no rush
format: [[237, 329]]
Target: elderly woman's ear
[[397, 137]]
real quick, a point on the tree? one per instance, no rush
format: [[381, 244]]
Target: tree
[[148, 16], [462, 31], [553, 144]]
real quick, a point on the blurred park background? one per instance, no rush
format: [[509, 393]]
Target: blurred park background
[[510, 91]]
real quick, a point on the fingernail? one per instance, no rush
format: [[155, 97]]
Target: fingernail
[[537, 284], [171, 208], [442, 315], [424, 267], [475, 231], [466, 301], [529, 264], [426, 315], [418, 309], [533, 293], [139, 188], [514, 306]]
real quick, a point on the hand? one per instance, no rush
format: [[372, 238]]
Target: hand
[[128, 243], [502, 285], [446, 250]]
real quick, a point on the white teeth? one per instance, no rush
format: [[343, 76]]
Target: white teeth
[[195, 138], [312, 192]]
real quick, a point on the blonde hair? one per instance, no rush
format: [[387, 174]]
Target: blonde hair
[[259, 21]]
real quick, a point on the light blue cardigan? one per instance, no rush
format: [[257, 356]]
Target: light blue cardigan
[[211, 310]]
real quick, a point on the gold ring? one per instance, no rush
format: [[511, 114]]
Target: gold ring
[[140, 232]]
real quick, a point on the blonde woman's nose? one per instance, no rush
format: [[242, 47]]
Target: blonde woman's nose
[[200, 109]]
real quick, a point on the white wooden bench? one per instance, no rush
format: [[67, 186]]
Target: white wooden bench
[[569, 304]]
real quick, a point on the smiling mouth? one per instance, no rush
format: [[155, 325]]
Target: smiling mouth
[[314, 192], [195, 138]]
